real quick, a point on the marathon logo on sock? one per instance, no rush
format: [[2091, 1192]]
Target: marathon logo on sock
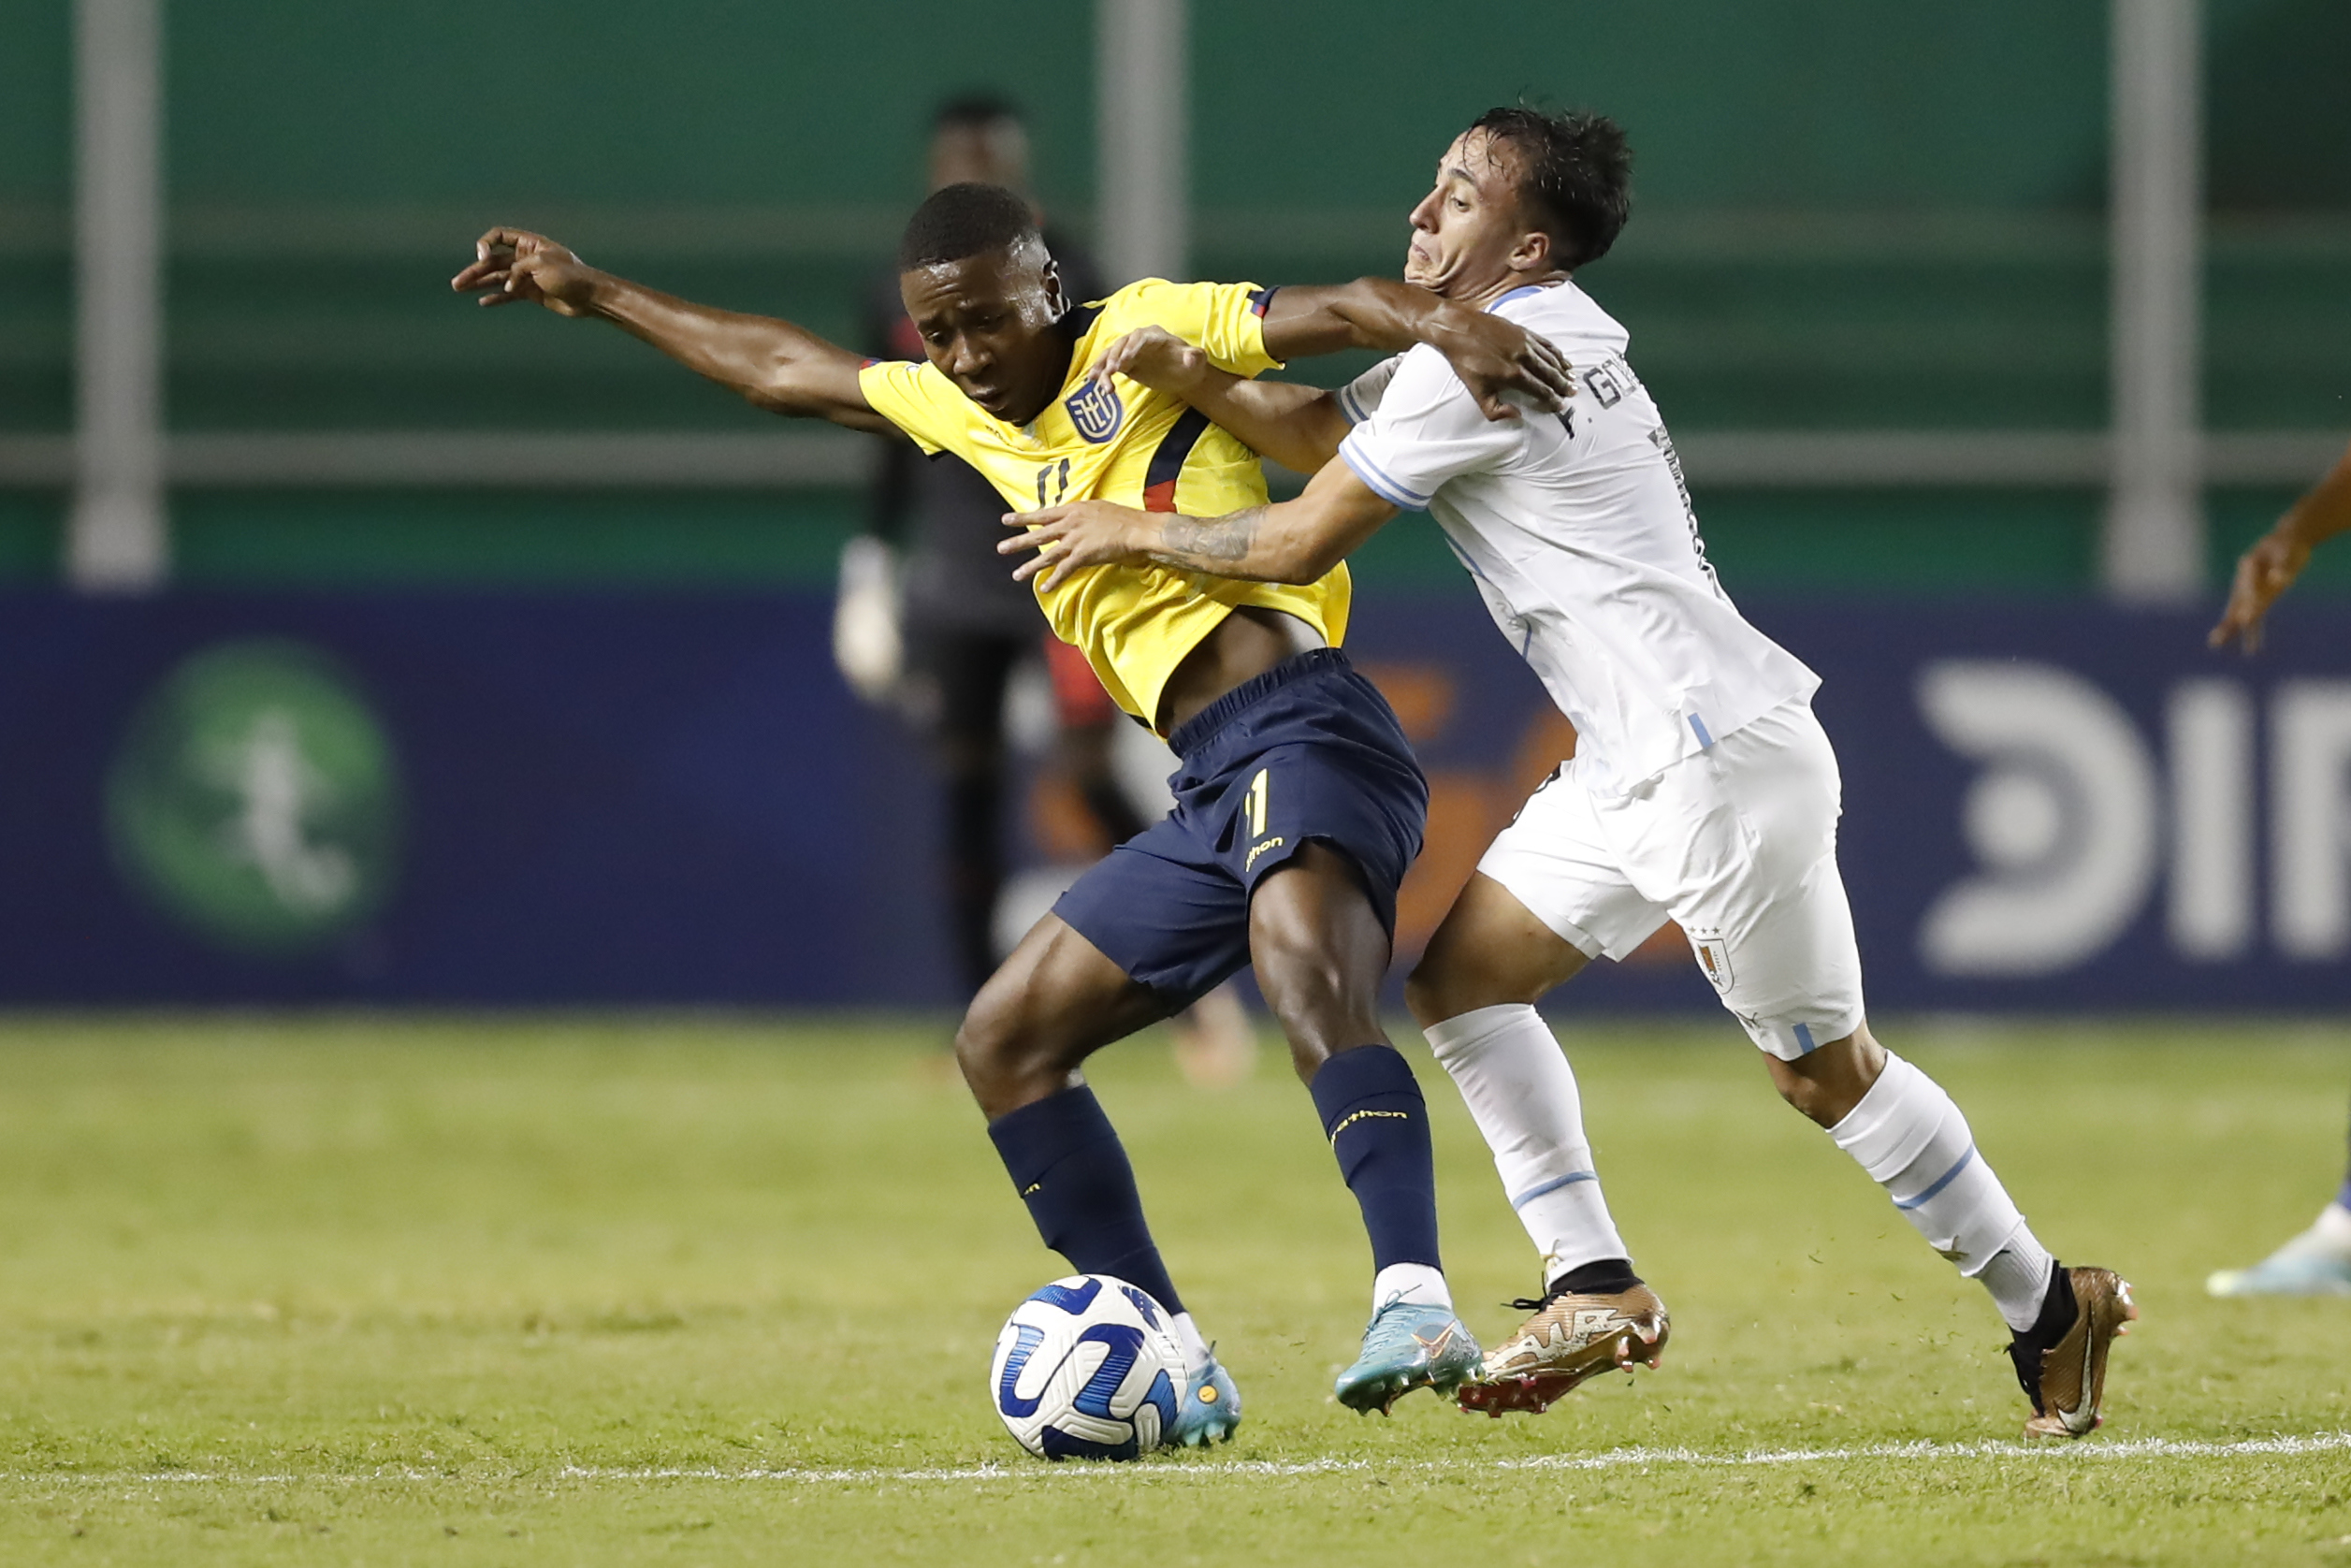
[[1355, 1116]]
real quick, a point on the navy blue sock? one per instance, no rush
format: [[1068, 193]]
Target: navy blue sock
[[1069, 1168], [1378, 1126]]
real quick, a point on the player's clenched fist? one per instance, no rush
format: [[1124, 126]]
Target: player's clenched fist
[[512, 266]]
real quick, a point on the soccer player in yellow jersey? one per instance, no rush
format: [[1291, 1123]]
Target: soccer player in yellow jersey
[[1298, 803]]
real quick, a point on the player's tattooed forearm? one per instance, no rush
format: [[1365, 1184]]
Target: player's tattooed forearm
[[1209, 542]]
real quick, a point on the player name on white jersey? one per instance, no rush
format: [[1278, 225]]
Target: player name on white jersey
[[1579, 531]]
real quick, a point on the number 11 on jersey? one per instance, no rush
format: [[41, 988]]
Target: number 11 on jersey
[[1259, 789]]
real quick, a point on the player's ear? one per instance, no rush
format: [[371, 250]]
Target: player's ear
[[1533, 254], [1057, 301]]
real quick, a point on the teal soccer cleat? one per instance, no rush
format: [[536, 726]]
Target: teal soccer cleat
[[1405, 1348], [1211, 1410], [2287, 1272]]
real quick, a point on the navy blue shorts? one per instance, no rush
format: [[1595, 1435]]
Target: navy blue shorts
[[1307, 752]]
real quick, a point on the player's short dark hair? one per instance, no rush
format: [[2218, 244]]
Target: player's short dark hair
[[976, 111], [1577, 179], [968, 220]]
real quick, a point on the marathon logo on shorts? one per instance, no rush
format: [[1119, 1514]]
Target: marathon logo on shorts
[[1714, 957], [1095, 410]]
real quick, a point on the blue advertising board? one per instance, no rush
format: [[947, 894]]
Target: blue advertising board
[[506, 799]]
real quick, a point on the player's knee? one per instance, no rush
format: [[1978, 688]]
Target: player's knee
[[1455, 976], [1827, 1084], [1426, 997], [1004, 1052], [1434, 991]]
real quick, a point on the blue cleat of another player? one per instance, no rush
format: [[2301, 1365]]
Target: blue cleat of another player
[[1210, 1409], [2287, 1272], [2317, 1262], [1407, 1347]]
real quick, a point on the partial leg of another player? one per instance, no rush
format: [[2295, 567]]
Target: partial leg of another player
[[1054, 1002], [1770, 923], [1474, 994], [2316, 1262], [1320, 951], [1738, 843]]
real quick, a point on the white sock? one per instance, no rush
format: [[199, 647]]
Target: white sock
[[1188, 1334], [1911, 1139], [2018, 1278], [1522, 1095], [1416, 1283]]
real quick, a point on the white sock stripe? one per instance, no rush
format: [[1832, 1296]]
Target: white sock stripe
[[1946, 1179], [1521, 1200]]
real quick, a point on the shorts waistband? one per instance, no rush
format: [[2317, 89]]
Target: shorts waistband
[[1197, 730]]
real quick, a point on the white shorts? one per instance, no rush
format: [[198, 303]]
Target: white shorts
[[1739, 844]]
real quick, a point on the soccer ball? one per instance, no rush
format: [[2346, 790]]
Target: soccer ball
[[1087, 1369]]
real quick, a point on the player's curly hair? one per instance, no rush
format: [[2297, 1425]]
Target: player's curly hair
[[968, 220], [1577, 179]]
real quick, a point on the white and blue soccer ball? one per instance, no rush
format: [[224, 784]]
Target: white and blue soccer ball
[[1088, 1367]]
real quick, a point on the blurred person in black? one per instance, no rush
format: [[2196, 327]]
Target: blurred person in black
[[930, 620]]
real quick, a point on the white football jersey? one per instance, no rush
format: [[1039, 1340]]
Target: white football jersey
[[1579, 531]]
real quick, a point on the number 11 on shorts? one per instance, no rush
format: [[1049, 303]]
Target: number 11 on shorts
[[1258, 788]]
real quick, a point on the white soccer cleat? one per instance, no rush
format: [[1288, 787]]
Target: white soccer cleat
[[1570, 1338]]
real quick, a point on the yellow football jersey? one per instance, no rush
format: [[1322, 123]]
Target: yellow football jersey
[[1129, 444]]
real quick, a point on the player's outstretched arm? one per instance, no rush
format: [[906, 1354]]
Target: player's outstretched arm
[[2268, 567], [1497, 359], [1287, 542], [776, 364], [1299, 426]]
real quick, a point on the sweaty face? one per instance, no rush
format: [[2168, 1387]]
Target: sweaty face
[[987, 323], [1468, 229]]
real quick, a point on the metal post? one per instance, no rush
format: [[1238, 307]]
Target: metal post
[[1142, 112], [116, 540], [2155, 525]]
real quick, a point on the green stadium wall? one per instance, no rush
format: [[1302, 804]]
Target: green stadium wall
[[1851, 216]]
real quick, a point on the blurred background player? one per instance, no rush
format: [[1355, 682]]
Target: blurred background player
[[929, 621], [2317, 1262]]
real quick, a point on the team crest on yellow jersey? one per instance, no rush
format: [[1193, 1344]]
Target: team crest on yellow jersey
[[1095, 411]]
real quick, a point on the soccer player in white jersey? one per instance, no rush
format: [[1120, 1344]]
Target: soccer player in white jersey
[[1703, 790]]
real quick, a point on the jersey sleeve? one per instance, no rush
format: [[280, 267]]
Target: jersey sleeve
[[1225, 321], [1360, 397], [1426, 429], [918, 399]]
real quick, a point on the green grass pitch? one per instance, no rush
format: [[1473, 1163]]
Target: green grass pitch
[[532, 1291]]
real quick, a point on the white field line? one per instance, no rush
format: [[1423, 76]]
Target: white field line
[[1614, 1458]]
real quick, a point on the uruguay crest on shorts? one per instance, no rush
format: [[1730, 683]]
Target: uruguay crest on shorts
[[1095, 410]]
